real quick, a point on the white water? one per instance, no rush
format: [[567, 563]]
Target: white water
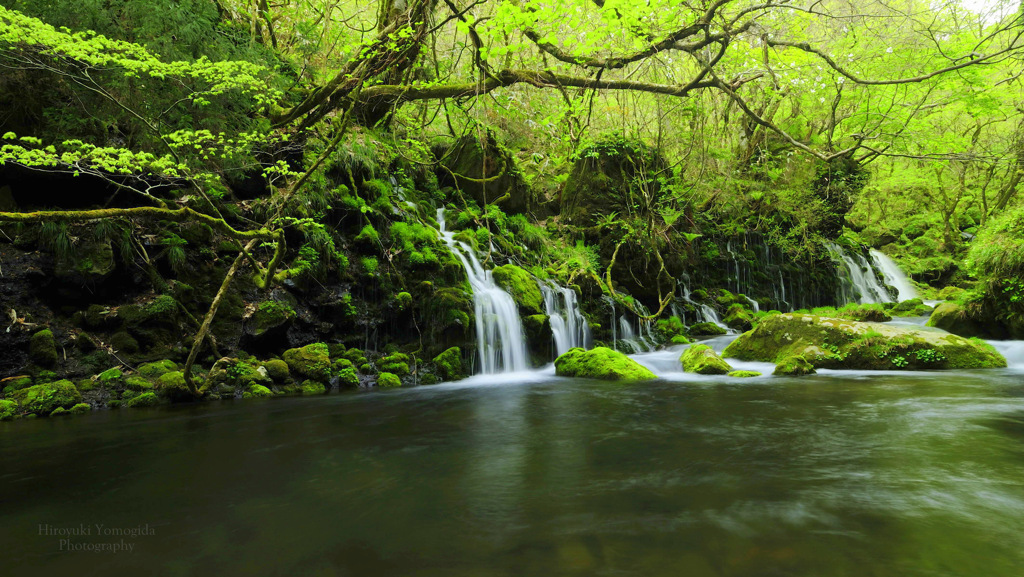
[[1012, 350], [568, 326], [859, 283], [894, 276], [705, 314], [499, 331]]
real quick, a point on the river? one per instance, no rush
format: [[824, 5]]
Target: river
[[829, 475]]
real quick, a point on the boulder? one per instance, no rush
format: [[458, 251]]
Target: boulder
[[522, 286], [601, 363], [487, 172], [952, 317], [46, 398], [449, 364], [703, 360], [843, 344], [794, 366], [603, 180]]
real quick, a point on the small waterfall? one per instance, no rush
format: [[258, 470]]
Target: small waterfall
[[568, 326], [859, 283], [499, 331], [894, 277], [705, 314]]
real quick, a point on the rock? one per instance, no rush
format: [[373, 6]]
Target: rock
[[601, 363], [257, 392], [952, 317], [44, 399], [396, 363], [173, 386], [472, 160], [706, 330], [703, 360], [794, 366], [866, 313], [604, 179], [388, 380], [911, 308], [311, 361], [157, 369], [537, 330], [950, 293], [80, 409], [42, 349], [347, 378], [842, 344], [743, 374], [522, 286], [739, 318], [8, 410], [312, 388], [449, 364], [143, 400], [277, 370]]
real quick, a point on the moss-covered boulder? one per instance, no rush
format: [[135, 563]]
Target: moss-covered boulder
[[706, 330], [157, 369], [601, 363], [449, 364], [794, 366], [257, 392], [911, 308], [739, 318], [44, 399], [388, 380], [952, 317], [140, 401], [310, 387], [80, 409], [8, 410], [396, 363], [173, 386], [271, 318], [703, 360], [347, 378], [743, 374], [311, 361], [522, 286], [16, 383], [843, 344], [277, 370], [42, 349], [485, 170], [604, 179]]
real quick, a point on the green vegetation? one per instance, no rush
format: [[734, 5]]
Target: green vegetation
[[701, 359], [388, 380], [601, 363]]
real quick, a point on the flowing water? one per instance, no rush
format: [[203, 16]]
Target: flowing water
[[568, 326], [858, 474], [894, 277], [858, 282], [499, 331]]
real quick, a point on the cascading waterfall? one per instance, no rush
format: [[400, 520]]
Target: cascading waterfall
[[499, 331], [705, 314], [894, 277], [859, 284], [568, 326]]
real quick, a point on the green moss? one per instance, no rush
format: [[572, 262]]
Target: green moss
[[80, 409], [794, 366], [271, 314], [277, 370], [138, 384], [17, 383], [951, 293], [388, 380], [172, 385], [348, 378], [143, 400], [522, 286], [743, 374], [42, 349], [257, 392], [366, 369], [726, 298], [952, 317], [601, 363], [8, 410], [739, 318], [116, 403], [124, 343], [449, 364], [368, 237], [355, 355], [403, 300], [369, 265], [157, 369], [680, 340], [706, 330], [43, 399], [312, 388], [59, 411], [397, 363], [110, 376], [703, 360], [311, 361]]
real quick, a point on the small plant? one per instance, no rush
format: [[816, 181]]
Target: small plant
[[929, 356], [899, 361]]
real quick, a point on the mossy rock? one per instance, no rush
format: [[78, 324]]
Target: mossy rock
[[42, 349], [44, 399], [356, 356], [8, 410], [522, 286], [483, 169], [952, 317], [140, 401], [124, 343], [59, 411], [157, 369], [743, 374], [449, 364], [173, 386], [950, 293], [794, 366], [601, 363], [348, 378], [257, 392], [138, 384], [605, 177], [388, 380], [85, 385], [80, 409], [680, 340], [16, 384], [843, 344], [726, 298], [706, 330], [703, 360], [311, 361], [310, 387], [110, 376], [270, 315], [277, 370], [911, 308], [865, 313], [397, 363], [739, 318]]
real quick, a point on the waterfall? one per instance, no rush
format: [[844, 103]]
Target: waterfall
[[705, 314], [568, 326], [859, 282], [894, 276], [499, 332]]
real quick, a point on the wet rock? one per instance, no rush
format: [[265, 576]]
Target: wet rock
[[703, 360], [601, 363]]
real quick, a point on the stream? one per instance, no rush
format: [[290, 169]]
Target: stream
[[527, 474]]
